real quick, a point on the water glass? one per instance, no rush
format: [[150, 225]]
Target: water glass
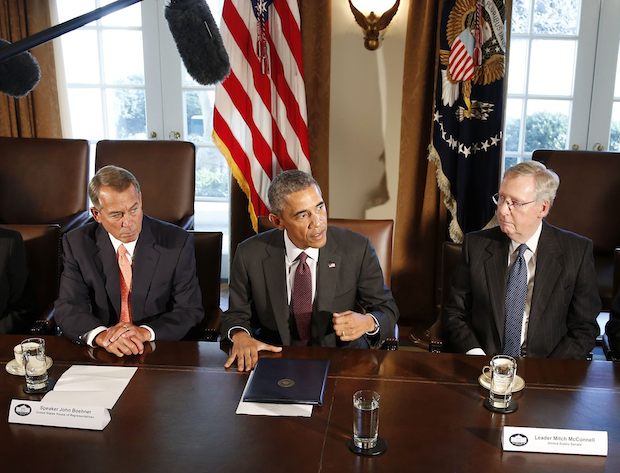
[[503, 369], [35, 364], [365, 419]]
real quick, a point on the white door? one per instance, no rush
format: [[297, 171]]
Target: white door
[[124, 79], [563, 90]]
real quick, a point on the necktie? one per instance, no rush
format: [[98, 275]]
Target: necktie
[[124, 267], [301, 298], [516, 293]]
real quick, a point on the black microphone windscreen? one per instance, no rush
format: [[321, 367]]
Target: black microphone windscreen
[[19, 74], [198, 40]]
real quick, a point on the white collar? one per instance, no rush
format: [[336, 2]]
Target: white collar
[[292, 252], [532, 243], [130, 247]]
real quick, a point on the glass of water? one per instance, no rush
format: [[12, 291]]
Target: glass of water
[[503, 372], [35, 364], [365, 419]]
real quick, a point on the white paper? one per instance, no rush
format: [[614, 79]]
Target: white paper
[[567, 441], [93, 386], [271, 409]]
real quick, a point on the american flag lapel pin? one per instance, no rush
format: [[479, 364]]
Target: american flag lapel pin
[[331, 264]]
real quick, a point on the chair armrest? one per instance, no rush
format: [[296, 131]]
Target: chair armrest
[[430, 340], [435, 340], [46, 325], [610, 354]]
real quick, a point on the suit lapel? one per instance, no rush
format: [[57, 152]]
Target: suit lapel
[[495, 272], [327, 280], [145, 262], [274, 269], [105, 259], [548, 269]]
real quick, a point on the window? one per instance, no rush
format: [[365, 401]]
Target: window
[[559, 93], [124, 79]]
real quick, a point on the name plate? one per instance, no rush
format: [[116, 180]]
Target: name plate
[[57, 415], [574, 442]]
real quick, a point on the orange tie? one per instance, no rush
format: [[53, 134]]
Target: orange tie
[[124, 267]]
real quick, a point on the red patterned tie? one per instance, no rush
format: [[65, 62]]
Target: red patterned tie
[[124, 267], [301, 298]]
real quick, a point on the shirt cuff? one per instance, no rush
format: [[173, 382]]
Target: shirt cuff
[[90, 336], [152, 339], [475, 351], [377, 327], [236, 327]]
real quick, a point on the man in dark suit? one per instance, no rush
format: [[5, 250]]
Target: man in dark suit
[[612, 329], [345, 301], [15, 312], [127, 278], [556, 316]]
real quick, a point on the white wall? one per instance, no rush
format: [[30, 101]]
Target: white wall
[[365, 111]]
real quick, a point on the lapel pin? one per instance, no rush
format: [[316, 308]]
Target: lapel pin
[[331, 264]]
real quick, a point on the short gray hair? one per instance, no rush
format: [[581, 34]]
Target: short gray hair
[[285, 183], [546, 181], [115, 177]]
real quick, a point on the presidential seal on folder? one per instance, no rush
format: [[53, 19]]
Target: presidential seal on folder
[[287, 381]]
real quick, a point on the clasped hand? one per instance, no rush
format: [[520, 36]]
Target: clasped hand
[[123, 339]]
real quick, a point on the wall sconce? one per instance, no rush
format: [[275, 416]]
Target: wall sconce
[[372, 24]]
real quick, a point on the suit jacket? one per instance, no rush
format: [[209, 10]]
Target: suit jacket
[[349, 277], [565, 301], [15, 311], [612, 329], [165, 294]]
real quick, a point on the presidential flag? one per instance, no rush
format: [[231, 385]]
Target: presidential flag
[[259, 121], [467, 121]]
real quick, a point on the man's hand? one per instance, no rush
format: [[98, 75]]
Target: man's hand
[[351, 325], [245, 350], [123, 339]]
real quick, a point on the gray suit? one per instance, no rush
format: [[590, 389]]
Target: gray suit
[[165, 294], [565, 300], [348, 278]]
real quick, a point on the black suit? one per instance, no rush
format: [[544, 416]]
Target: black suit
[[565, 301], [15, 312], [165, 294], [349, 277], [612, 329]]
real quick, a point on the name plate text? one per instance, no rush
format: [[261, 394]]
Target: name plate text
[[57, 415], [575, 442]]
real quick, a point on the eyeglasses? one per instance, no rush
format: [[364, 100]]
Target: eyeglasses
[[500, 200]]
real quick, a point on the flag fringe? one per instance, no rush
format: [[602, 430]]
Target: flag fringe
[[238, 175], [456, 234]]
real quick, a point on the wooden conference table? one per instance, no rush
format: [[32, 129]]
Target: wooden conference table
[[178, 414]]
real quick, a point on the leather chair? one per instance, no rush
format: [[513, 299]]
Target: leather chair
[[166, 171], [431, 340], [586, 203], [43, 181], [208, 247], [613, 355], [380, 233], [42, 244]]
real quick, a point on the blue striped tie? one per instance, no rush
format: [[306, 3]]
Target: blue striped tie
[[516, 293]]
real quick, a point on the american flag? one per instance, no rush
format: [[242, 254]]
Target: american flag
[[259, 122], [461, 61]]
